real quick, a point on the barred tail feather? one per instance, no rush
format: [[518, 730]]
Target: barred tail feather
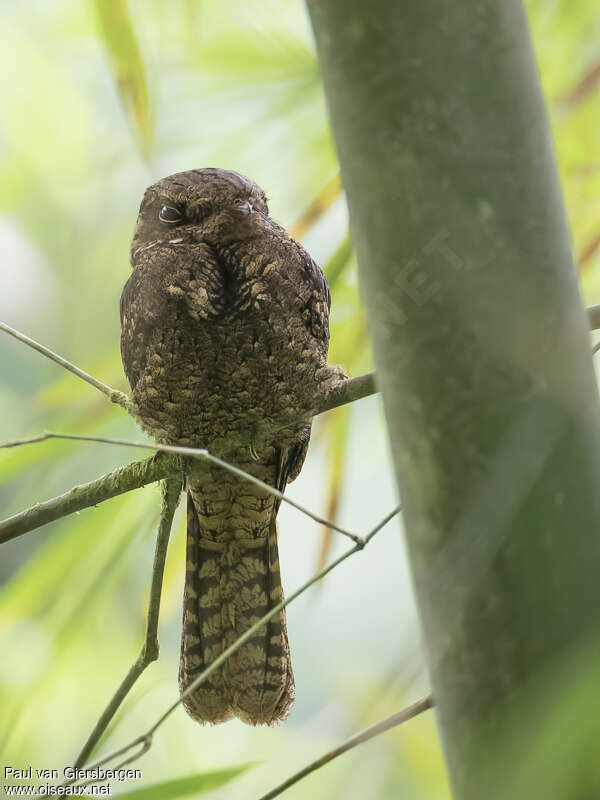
[[230, 584]]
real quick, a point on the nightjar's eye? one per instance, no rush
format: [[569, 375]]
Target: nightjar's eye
[[170, 215]]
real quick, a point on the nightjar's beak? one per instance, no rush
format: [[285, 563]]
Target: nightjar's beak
[[244, 206]]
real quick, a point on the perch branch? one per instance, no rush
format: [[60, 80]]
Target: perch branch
[[593, 313], [123, 479], [363, 736], [192, 452], [346, 392], [171, 490], [144, 741], [140, 473], [115, 396]]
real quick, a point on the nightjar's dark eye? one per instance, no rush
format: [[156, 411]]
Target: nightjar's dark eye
[[170, 215]]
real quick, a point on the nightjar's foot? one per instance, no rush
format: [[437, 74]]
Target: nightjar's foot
[[328, 377], [253, 454]]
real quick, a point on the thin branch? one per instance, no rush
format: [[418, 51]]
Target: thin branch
[[171, 491], [345, 392], [593, 313], [141, 473], [193, 453], [121, 480], [363, 736], [113, 395], [141, 740], [146, 738]]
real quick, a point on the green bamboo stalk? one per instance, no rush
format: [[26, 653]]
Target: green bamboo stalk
[[481, 352]]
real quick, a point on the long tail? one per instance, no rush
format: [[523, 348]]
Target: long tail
[[230, 584]]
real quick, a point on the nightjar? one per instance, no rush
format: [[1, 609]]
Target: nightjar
[[225, 327]]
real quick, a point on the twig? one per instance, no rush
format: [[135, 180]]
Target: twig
[[193, 453], [171, 490], [146, 738], [593, 313], [363, 736], [345, 392], [123, 479], [115, 396], [141, 473]]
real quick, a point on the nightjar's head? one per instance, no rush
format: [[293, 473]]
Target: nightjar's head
[[196, 204]]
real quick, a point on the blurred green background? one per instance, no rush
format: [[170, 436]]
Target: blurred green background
[[100, 99]]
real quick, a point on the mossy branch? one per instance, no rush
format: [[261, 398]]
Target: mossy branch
[[123, 479]]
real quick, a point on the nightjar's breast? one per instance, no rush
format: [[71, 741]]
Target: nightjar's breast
[[217, 338]]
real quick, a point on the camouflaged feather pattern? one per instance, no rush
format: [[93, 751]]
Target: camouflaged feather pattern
[[225, 325]]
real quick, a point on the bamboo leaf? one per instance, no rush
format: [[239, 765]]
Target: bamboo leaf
[[126, 62], [485, 434], [338, 262], [183, 787], [321, 203]]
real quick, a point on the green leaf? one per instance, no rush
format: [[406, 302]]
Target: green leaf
[[182, 787], [127, 65], [338, 262]]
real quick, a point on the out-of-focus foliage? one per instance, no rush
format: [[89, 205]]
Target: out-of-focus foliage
[[184, 787], [128, 68], [99, 100], [567, 40]]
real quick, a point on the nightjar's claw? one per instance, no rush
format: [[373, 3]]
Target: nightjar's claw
[[253, 452], [330, 376]]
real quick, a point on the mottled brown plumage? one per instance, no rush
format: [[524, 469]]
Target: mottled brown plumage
[[225, 325]]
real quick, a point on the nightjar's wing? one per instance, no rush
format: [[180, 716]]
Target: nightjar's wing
[[316, 304], [232, 558], [160, 278], [233, 576]]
